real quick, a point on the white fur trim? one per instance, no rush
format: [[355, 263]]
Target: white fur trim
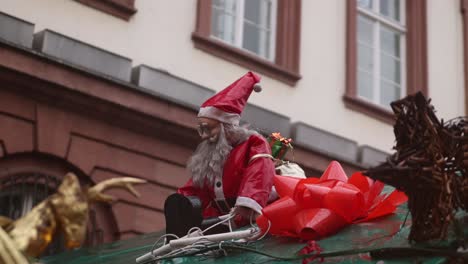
[[220, 115], [250, 203]]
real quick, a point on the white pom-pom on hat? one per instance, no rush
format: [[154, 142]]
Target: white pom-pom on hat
[[257, 87]]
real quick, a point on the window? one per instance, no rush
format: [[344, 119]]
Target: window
[[381, 50], [249, 25], [386, 54], [123, 9], [21, 192], [262, 35]]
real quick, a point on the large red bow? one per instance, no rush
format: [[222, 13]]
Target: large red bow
[[314, 208]]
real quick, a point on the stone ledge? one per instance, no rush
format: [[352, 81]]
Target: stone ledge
[[266, 121], [324, 142], [171, 87], [82, 54], [16, 30], [369, 156]]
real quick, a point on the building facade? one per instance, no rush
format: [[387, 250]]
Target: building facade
[[112, 88]]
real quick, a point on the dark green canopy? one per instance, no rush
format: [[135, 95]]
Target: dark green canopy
[[386, 232]]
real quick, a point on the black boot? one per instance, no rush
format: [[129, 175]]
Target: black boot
[[182, 213]]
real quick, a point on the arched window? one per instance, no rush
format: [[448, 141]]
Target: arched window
[[21, 192], [28, 179]]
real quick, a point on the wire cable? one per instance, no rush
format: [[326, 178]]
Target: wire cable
[[164, 243], [220, 222], [266, 232]]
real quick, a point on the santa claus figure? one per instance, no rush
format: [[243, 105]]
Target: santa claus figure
[[230, 170]]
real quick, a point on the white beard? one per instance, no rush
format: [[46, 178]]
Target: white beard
[[207, 162]]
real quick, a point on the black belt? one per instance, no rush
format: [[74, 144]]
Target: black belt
[[224, 205]]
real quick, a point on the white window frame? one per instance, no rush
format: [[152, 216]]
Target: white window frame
[[239, 29], [399, 26]]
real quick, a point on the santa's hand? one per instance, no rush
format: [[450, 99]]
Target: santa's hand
[[244, 213]]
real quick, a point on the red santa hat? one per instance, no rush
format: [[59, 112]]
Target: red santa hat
[[227, 105]]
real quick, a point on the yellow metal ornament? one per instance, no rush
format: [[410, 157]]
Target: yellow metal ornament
[[66, 210]]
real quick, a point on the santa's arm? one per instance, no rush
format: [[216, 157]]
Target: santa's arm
[[258, 177], [188, 189]]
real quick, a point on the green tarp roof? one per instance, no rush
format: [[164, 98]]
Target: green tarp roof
[[384, 232]]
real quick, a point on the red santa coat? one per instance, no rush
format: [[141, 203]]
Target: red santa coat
[[249, 184]]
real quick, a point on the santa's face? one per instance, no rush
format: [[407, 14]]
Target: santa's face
[[207, 161], [208, 129]]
